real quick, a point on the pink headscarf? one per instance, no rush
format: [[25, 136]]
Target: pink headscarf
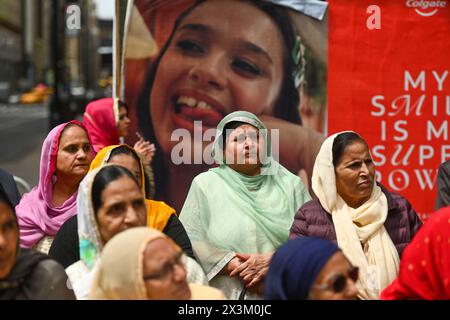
[[36, 215], [100, 118]]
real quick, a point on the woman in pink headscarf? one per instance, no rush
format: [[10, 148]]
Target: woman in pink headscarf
[[65, 159], [106, 122]]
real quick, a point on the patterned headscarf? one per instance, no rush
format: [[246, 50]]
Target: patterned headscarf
[[425, 265]]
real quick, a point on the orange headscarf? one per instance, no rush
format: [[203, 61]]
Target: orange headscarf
[[158, 212]]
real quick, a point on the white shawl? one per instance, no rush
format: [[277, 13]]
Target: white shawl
[[360, 232]]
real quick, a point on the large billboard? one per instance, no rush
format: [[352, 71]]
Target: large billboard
[[307, 68], [187, 64], [389, 80]]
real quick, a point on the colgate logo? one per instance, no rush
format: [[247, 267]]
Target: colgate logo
[[422, 7]]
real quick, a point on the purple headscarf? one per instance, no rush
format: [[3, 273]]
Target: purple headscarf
[[36, 215]]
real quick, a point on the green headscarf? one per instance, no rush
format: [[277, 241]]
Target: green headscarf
[[233, 212], [269, 165]]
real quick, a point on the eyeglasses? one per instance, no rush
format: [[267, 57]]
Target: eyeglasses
[[339, 282], [167, 268]]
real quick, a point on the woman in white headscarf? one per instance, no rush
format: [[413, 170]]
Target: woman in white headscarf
[[371, 225], [109, 202], [143, 263]]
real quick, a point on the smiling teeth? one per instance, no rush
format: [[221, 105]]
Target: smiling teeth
[[193, 103]]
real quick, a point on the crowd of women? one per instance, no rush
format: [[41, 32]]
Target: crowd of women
[[89, 229], [248, 228]]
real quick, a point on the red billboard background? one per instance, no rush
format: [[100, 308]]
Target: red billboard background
[[392, 85]]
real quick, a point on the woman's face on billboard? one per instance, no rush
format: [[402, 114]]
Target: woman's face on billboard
[[224, 56]]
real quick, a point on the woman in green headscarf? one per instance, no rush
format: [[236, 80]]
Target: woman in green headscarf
[[240, 212]]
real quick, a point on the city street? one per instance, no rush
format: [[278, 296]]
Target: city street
[[44, 43], [22, 130]]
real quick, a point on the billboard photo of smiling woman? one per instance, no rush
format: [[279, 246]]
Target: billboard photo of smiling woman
[[190, 63]]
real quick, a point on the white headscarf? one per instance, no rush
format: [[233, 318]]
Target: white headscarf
[[81, 273], [90, 241], [360, 232], [120, 273]]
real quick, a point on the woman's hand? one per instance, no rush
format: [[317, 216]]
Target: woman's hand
[[146, 149], [231, 266], [298, 146], [253, 269]]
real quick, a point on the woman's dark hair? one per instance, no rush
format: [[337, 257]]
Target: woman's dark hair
[[123, 149], [10, 187], [341, 142], [5, 199], [105, 176], [122, 104], [315, 82], [286, 105]]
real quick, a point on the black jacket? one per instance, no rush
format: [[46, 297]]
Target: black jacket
[[443, 186], [35, 276]]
